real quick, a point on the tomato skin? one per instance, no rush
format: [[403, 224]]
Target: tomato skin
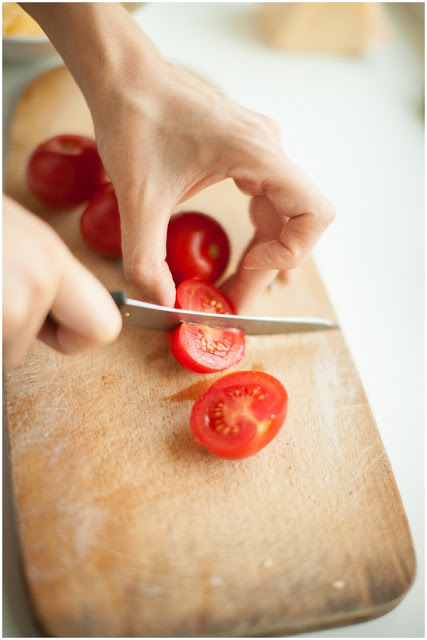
[[197, 246], [199, 348], [100, 223], [239, 414], [65, 170]]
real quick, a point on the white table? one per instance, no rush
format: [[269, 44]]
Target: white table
[[356, 126]]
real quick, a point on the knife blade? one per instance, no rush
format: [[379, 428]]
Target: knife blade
[[145, 315]]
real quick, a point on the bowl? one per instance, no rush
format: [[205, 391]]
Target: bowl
[[32, 48], [27, 49]]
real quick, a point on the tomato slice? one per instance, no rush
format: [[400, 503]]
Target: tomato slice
[[197, 246], [197, 347], [239, 414], [100, 223], [196, 294]]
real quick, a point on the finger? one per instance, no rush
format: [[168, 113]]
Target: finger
[[303, 213], [16, 339], [246, 286], [84, 312], [63, 339], [145, 220], [284, 275]]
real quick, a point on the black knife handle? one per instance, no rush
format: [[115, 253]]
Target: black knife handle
[[119, 297]]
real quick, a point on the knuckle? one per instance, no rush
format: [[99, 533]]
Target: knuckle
[[267, 128], [260, 130], [14, 317], [135, 272], [294, 256], [41, 284], [271, 126], [142, 274], [44, 277], [12, 358], [327, 212]]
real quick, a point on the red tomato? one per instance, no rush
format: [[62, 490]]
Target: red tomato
[[200, 348], [239, 414], [100, 223], [197, 247], [65, 170]]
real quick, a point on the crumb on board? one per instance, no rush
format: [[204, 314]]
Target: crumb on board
[[338, 585]]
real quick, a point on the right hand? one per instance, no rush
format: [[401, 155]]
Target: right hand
[[41, 276]]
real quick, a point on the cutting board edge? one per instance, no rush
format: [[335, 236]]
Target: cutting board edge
[[298, 628], [343, 619], [334, 621]]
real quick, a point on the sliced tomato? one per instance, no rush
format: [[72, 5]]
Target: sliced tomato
[[197, 347], [239, 414], [196, 294], [197, 247]]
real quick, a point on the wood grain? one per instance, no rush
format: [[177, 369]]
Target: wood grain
[[129, 528]]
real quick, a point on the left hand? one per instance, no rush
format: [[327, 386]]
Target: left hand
[[164, 135]]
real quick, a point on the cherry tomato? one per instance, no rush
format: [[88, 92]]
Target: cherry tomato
[[239, 414], [100, 223], [200, 348], [197, 247], [65, 170]]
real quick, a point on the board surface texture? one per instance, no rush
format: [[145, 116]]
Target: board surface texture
[[129, 528]]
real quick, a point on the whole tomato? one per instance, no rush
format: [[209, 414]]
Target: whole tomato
[[100, 223], [197, 247], [65, 170]]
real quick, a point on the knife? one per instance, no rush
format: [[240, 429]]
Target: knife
[[144, 315]]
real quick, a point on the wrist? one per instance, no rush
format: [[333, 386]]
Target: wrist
[[100, 43]]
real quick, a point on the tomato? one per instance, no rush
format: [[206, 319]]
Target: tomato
[[239, 414], [65, 170], [100, 223], [197, 247], [197, 347]]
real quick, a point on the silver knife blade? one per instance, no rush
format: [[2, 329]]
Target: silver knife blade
[[144, 315]]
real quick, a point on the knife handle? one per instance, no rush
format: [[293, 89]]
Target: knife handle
[[119, 297]]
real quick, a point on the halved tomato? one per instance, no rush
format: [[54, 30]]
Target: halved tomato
[[239, 414], [197, 347]]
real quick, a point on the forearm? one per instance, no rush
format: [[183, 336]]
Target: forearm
[[99, 42]]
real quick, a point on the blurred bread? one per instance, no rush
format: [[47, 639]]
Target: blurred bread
[[17, 22], [346, 28]]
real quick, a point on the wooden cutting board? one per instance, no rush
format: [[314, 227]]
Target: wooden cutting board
[[129, 528]]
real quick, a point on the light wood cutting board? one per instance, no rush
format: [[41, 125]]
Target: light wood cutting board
[[129, 528]]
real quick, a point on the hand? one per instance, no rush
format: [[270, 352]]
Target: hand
[[41, 276], [164, 135], [181, 136]]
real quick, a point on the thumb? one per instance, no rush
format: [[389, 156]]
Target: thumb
[[144, 225]]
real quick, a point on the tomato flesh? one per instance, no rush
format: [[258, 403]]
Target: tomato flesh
[[100, 223], [197, 247], [65, 171], [197, 347], [239, 414]]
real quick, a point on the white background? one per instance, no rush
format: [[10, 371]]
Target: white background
[[356, 125]]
